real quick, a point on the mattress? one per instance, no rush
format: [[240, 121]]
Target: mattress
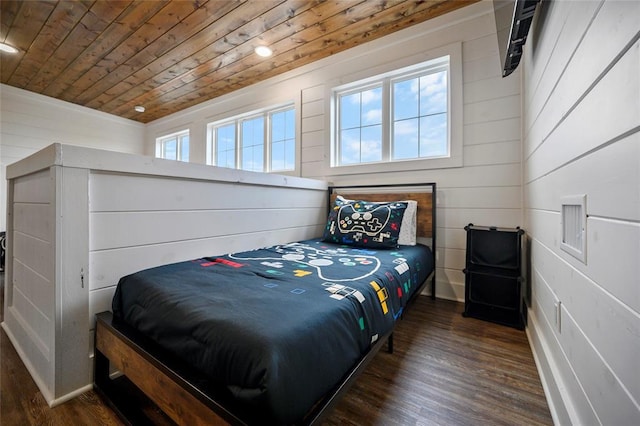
[[279, 327]]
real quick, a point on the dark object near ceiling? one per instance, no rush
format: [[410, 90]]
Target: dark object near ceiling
[[513, 19]]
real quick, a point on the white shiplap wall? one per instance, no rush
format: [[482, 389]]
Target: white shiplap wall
[[79, 219], [485, 191], [582, 136], [30, 122]]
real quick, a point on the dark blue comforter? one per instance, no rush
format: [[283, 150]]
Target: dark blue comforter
[[279, 326]]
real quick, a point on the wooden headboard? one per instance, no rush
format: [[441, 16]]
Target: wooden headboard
[[423, 194]]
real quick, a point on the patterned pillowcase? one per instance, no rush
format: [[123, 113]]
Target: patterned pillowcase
[[365, 224]]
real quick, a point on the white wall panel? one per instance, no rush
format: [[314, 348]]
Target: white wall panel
[[491, 88], [562, 29], [599, 108], [596, 51], [488, 197], [494, 153], [312, 108], [111, 230], [149, 193], [582, 116], [34, 287], [610, 194], [34, 188], [492, 131], [451, 259], [480, 48], [461, 217], [313, 123], [492, 110], [313, 139], [36, 324], [34, 220], [34, 252], [313, 154]]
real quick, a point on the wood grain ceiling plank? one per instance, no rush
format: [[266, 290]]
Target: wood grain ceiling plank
[[50, 78], [213, 42], [87, 70], [283, 27], [25, 27], [151, 40], [59, 24], [79, 52], [209, 84], [169, 50], [400, 15], [8, 11]]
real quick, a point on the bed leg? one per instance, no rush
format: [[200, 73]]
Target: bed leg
[[433, 287], [101, 371], [390, 344]]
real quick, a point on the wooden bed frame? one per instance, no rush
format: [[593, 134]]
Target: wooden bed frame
[[178, 391]]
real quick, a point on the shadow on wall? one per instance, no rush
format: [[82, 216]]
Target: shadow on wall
[[3, 247]]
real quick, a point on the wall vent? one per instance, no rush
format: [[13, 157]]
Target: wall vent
[[574, 226]]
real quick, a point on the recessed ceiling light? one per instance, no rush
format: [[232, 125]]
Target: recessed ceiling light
[[7, 48], [263, 51], [139, 108]]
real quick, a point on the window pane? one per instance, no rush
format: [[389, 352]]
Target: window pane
[[277, 156], [371, 144], [420, 132], [350, 146], [289, 154], [184, 148], [226, 146], [361, 126], [252, 158], [350, 111], [170, 149], [290, 124], [405, 99], [433, 135], [253, 144], [372, 106], [405, 139], [282, 140], [433, 93]]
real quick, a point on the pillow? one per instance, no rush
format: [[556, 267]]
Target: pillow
[[365, 224], [409, 225]]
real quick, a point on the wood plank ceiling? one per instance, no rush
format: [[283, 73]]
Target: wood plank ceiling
[[111, 55]]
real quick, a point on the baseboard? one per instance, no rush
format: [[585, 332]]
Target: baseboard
[[25, 360], [546, 370]]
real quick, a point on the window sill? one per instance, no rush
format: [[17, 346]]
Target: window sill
[[395, 166]]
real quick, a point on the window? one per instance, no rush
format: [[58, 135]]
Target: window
[[262, 142], [174, 146], [401, 119]]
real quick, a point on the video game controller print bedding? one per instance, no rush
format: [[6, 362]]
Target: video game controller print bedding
[[276, 324], [365, 224]]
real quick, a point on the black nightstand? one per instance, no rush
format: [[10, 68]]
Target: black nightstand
[[493, 274]]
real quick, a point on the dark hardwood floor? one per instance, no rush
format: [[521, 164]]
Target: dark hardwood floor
[[445, 370]]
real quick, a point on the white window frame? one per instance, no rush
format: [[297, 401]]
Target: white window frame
[[237, 121], [162, 140], [454, 116]]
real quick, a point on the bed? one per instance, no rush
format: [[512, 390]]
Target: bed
[[273, 335]]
